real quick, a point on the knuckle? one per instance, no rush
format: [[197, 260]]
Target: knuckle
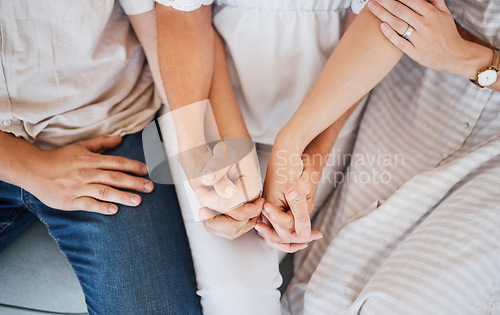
[[238, 215], [83, 172], [89, 205], [116, 177], [396, 9], [119, 161], [432, 14], [400, 25], [103, 192], [87, 157]]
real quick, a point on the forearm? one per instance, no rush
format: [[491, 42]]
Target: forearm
[[225, 106], [362, 58], [318, 151], [144, 25], [185, 54], [186, 61], [322, 145], [17, 158], [193, 67]]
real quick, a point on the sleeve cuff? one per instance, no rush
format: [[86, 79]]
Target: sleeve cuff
[[185, 5], [133, 7]]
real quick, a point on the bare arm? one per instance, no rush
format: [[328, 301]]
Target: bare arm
[[353, 69], [193, 66], [144, 26], [17, 158]]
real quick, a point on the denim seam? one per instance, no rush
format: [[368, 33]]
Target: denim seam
[[25, 199], [58, 243], [11, 219]]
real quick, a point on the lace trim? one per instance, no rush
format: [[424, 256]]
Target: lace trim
[[185, 5], [358, 5]]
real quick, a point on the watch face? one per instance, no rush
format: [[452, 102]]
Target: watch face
[[487, 78]]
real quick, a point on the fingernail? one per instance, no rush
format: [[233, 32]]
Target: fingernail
[[112, 209], [372, 6], [135, 200], [208, 175], [148, 186], [229, 189], [144, 169], [384, 27], [258, 229], [293, 195], [266, 208]]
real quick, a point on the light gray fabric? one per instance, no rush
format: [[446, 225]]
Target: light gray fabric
[[34, 274], [10, 310]]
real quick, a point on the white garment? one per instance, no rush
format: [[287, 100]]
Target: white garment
[[273, 48], [276, 50]]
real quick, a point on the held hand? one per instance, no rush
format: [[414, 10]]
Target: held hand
[[435, 42], [225, 179], [77, 177], [240, 213], [231, 177], [291, 183], [235, 223]]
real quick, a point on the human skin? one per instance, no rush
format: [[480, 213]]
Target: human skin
[[193, 68], [437, 42]]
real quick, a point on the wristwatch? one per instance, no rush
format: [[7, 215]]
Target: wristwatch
[[489, 75]]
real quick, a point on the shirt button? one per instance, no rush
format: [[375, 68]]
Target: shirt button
[[466, 125], [6, 123]]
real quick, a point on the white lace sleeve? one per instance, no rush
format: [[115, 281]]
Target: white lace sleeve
[[358, 5], [185, 5]]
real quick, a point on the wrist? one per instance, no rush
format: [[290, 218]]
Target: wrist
[[30, 167], [189, 123], [291, 139], [476, 58]]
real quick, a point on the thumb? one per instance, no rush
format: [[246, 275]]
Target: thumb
[[215, 170], [101, 143], [297, 201]]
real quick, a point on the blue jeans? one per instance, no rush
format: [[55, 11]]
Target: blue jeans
[[135, 262]]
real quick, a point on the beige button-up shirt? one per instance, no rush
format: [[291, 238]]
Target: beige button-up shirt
[[71, 70]]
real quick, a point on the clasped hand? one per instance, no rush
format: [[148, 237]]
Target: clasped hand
[[225, 179]]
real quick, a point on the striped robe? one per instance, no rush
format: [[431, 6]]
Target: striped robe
[[415, 226]]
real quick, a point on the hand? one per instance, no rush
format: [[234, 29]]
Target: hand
[[225, 179], [77, 177], [291, 183], [235, 223], [435, 43]]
